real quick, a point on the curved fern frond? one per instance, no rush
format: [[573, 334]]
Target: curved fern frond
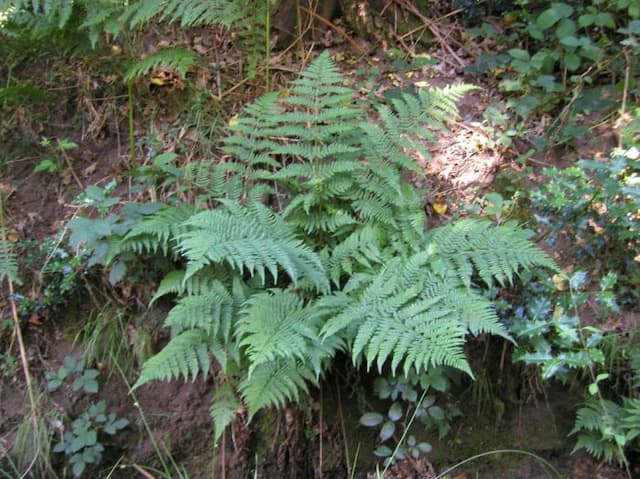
[[494, 252], [596, 429], [275, 383], [187, 13], [251, 238], [178, 59], [410, 315], [186, 355], [225, 407], [275, 325], [155, 232]]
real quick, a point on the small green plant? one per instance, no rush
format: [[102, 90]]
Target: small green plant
[[8, 365], [82, 442], [59, 275], [552, 336], [55, 159], [549, 330], [409, 402]]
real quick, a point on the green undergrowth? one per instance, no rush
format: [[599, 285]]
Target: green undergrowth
[[311, 241]]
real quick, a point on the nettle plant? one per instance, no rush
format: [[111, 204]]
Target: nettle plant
[[316, 243]]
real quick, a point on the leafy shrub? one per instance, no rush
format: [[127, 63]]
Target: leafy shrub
[[596, 204]]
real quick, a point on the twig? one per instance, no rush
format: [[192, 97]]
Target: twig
[[337, 29], [17, 331], [412, 9], [142, 472]]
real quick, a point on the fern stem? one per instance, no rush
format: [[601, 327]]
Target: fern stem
[[343, 429], [133, 161], [267, 46]]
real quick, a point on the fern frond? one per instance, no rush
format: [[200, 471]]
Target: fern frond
[[186, 355], [494, 252], [225, 407], [8, 262], [186, 12], [212, 312], [55, 12], [630, 418], [413, 317], [251, 238], [274, 325], [361, 249], [155, 232], [596, 429], [178, 59], [275, 383]]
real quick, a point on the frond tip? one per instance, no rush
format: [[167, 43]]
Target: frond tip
[[186, 355]]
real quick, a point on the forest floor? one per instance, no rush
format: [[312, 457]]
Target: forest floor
[[323, 434]]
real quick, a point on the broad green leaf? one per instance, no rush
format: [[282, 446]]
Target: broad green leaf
[[383, 451], [395, 411], [586, 20], [387, 430], [371, 419], [519, 54], [436, 413], [553, 15], [572, 61], [570, 41]]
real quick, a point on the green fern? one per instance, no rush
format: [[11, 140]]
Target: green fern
[[55, 12], [412, 315], [599, 430], [8, 262], [186, 12], [225, 406], [155, 232], [366, 279], [251, 238], [274, 384], [178, 59], [186, 355], [496, 253]]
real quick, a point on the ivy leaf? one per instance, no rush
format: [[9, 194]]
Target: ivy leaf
[[436, 413]]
